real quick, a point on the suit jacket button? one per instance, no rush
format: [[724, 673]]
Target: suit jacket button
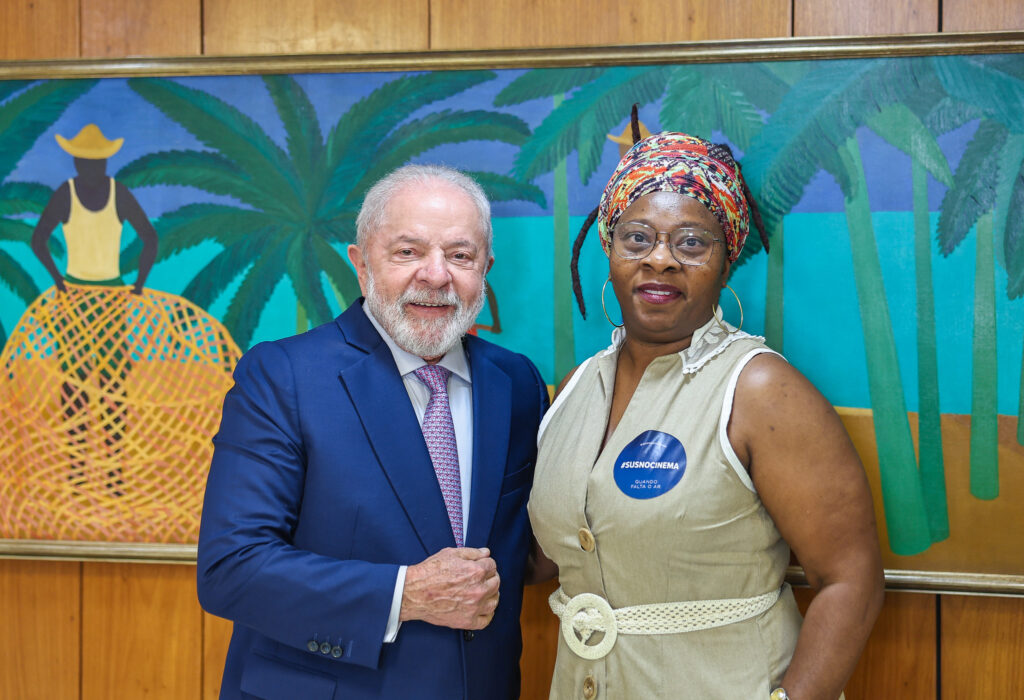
[[325, 648], [312, 646], [336, 651], [468, 635]]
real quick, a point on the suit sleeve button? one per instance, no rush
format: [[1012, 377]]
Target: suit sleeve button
[[312, 646], [325, 648], [336, 651], [468, 635]]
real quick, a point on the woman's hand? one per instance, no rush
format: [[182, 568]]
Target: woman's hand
[[812, 483]]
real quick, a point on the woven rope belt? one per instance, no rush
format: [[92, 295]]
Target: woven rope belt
[[583, 615]]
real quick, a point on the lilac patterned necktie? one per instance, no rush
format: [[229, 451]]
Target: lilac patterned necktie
[[439, 433]]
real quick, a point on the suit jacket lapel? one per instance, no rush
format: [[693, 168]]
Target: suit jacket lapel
[[380, 399], [492, 410]]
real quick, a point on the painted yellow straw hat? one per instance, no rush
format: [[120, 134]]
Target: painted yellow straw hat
[[90, 143]]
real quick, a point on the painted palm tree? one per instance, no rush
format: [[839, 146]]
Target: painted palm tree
[[297, 203], [815, 128], [698, 99], [912, 126], [988, 195], [23, 119]]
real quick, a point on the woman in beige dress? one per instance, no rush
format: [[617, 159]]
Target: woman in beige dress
[[677, 467]]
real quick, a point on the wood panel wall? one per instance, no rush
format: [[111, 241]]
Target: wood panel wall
[[96, 630]]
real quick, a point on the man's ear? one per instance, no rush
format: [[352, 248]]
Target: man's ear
[[490, 264], [355, 256]]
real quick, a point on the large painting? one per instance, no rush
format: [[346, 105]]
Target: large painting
[[209, 210]]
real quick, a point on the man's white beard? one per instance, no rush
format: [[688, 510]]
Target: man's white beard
[[423, 338]]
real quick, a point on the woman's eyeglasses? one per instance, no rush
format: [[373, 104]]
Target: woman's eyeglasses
[[688, 246]]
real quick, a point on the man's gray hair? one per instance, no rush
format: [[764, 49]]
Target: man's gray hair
[[375, 204]]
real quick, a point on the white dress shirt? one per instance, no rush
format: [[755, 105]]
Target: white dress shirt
[[460, 398]]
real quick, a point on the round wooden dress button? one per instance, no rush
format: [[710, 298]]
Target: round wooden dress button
[[587, 541], [589, 688]]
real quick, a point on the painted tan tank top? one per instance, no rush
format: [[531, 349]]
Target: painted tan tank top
[[93, 239], [662, 534]]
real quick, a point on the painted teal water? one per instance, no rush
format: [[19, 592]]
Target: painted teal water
[[823, 336]]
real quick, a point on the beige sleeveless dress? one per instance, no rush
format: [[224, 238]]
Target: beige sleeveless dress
[[705, 537]]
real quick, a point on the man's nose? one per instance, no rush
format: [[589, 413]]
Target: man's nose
[[434, 270]]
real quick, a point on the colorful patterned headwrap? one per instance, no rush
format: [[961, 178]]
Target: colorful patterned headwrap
[[675, 162]]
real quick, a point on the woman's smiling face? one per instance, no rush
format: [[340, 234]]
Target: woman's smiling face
[[662, 300]]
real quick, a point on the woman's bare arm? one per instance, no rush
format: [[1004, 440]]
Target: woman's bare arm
[[813, 485]]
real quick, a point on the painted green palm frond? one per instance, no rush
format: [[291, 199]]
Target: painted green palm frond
[[15, 278], [9, 87], [738, 119], [900, 127], [949, 113], [339, 229], [759, 83], [223, 268], [15, 230], [823, 109], [998, 94], [192, 224], [973, 193], [23, 197], [684, 106], [303, 270], [25, 117], [352, 142], [789, 73], [206, 170], [301, 125], [1009, 63], [419, 135], [341, 276], [700, 100], [258, 283], [502, 188], [545, 82], [1013, 240], [1007, 223], [226, 129], [581, 123]]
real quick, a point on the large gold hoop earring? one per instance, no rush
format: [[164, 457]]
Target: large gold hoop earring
[[715, 309], [604, 308]]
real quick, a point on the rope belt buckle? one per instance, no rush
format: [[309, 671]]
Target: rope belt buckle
[[584, 614]]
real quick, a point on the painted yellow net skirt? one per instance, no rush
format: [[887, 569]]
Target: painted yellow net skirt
[[108, 402]]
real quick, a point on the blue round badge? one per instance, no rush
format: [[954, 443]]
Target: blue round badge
[[650, 465]]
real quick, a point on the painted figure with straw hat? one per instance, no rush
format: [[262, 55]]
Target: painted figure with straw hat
[[110, 391]]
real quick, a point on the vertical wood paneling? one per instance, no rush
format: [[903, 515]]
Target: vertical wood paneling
[[216, 635], [141, 632], [35, 29], [540, 640], [120, 28], [899, 658], [973, 16], [40, 620], [313, 26], [858, 17], [982, 647], [456, 24]]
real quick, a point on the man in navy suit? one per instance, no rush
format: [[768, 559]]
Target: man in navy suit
[[364, 523]]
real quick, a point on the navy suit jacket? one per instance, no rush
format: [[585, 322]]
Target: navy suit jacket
[[321, 486]]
